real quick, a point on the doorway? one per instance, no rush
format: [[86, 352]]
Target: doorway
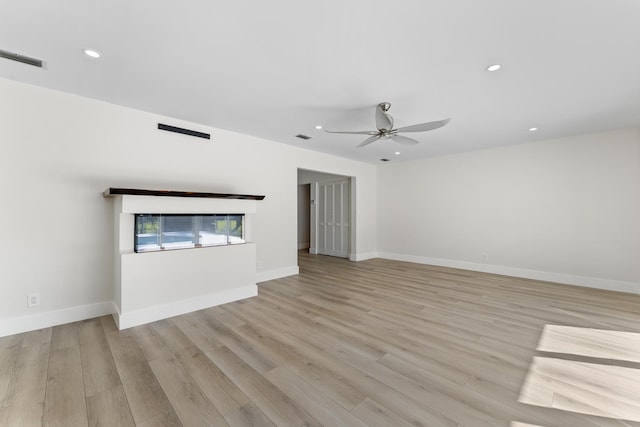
[[326, 213]]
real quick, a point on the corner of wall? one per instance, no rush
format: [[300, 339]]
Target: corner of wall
[[265, 276], [363, 256]]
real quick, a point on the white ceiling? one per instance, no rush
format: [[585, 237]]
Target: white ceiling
[[278, 68]]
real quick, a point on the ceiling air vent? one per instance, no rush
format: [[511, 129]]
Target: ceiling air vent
[[21, 58], [301, 136], [189, 132], [384, 160]]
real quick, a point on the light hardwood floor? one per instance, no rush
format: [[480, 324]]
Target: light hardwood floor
[[374, 343]]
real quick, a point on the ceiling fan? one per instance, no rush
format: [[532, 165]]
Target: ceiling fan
[[384, 124]]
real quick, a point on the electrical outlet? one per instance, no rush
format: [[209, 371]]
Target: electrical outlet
[[33, 299], [258, 265], [484, 256]]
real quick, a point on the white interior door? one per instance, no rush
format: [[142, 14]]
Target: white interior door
[[333, 218]]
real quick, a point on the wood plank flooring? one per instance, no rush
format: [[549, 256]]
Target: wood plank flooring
[[373, 343]]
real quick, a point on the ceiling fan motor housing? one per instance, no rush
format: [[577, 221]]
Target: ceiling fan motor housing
[[384, 106]]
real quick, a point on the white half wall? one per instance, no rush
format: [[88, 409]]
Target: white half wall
[[61, 151], [157, 285], [565, 210]]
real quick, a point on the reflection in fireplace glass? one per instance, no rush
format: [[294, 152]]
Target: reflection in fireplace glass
[[155, 232]]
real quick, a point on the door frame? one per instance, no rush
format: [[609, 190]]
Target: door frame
[[306, 176]]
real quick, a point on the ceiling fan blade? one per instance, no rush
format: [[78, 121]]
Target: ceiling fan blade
[[403, 139], [369, 140], [357, 132], [384, 121], [423, 127]]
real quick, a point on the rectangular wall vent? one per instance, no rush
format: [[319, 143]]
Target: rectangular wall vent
[[21, 58], [301, 136], [184, 131]]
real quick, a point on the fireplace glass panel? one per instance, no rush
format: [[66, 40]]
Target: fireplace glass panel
[[155, 232]]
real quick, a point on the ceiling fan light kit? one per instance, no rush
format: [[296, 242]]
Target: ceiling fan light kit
[[385, 130]]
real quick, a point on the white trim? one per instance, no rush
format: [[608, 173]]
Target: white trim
[[158, 312], [547, 276], [362, 257], [263, 276], [32, 322]]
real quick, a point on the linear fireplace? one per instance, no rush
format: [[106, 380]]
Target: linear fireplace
[[152, 281], [158, 232]]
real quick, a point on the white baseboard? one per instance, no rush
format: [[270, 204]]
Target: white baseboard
[[159, 312], [263, 276], [547, 276], [32, 322], [363, 257]]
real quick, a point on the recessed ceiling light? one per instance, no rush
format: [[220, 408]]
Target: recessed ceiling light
[[319, 127], [397, 153], [92, 53], [494, 67], [533, 129]]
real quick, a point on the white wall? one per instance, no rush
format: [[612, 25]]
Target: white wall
[[158, 285], [565, 210], [59, 152]]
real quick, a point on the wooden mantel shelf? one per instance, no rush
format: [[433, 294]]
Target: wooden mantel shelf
[[112, 192]]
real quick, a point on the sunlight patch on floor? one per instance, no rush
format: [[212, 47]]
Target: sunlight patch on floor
[[587, 387], [605, 344]]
